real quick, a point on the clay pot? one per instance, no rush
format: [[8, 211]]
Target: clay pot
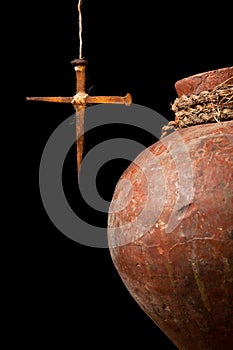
[[202, 81], [170, 229]]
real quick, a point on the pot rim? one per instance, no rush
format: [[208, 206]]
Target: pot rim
[[204, 81]]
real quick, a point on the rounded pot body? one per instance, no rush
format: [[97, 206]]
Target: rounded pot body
[[170, 232]]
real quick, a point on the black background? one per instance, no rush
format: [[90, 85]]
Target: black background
[[57, 292]]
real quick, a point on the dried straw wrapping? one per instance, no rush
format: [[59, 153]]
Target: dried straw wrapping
[[207, 107]]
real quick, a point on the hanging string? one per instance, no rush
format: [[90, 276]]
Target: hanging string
[[80, 29]]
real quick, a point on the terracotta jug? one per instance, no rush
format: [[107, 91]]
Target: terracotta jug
[[170, 226]]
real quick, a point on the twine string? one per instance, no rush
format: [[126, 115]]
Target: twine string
[[80, 29]]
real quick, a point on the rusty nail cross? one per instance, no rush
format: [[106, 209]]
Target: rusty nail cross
[[80, 101]]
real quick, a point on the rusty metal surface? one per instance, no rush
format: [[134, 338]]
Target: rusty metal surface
[[80, 69], [58, 99], [80, 101], [182, 279], [126, 100]]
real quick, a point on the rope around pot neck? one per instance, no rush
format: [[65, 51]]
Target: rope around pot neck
[[207, 107]]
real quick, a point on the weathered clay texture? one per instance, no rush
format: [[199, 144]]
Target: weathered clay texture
[[170, 231], [203, 81]]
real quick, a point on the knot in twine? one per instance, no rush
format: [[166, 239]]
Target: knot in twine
[[80, 99], [207, 107]]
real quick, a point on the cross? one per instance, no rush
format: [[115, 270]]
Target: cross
[[80, 100]]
